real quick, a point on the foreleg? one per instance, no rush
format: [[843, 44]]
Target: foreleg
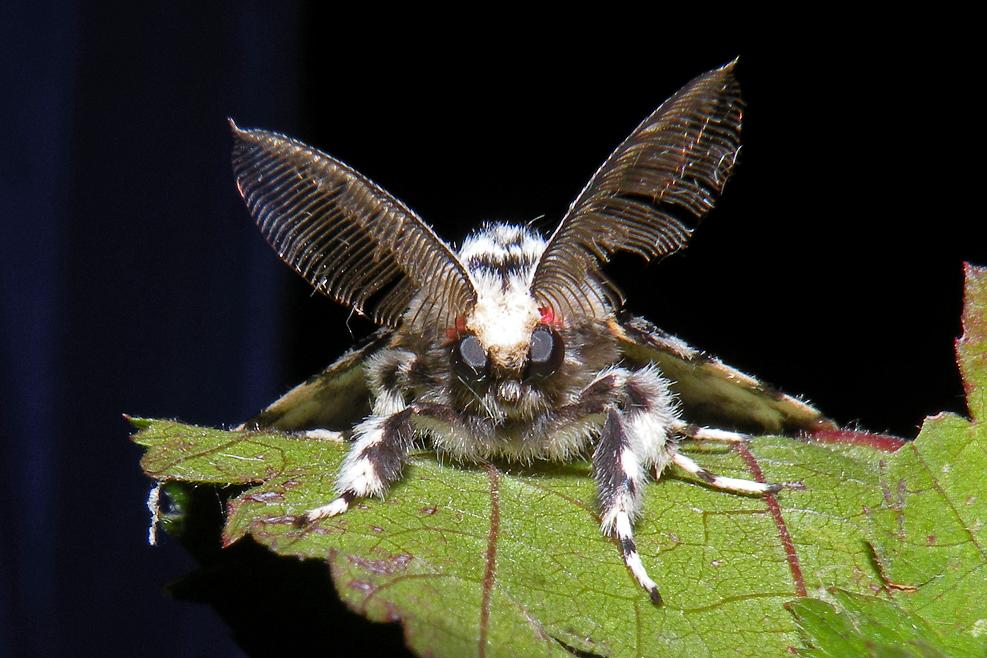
[[640, 412], [620, 476], [380, 446], [698, 433], [734, 485], [641, 417]]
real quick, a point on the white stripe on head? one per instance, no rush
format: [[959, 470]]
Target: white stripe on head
[[496, 244]]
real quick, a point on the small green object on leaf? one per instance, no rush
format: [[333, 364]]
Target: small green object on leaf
[[858, 625]]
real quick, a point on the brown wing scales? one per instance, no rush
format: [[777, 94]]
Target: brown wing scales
[[712, 392], [335, 399]]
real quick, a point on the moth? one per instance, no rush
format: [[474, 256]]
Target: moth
[[514, 345]]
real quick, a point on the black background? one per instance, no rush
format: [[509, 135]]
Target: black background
[[134, 281]]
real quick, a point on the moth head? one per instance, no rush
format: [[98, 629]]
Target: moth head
[[543, 352], [505, 344], [516, 389], [500, 260]]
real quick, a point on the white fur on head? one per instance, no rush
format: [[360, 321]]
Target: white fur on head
[[501, 259]]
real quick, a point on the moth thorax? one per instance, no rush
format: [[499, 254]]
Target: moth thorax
[[502, 321]]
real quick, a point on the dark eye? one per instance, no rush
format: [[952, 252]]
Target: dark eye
[[546, 352], [469, 358]]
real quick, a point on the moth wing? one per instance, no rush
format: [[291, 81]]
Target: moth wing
[[712, 392], [334, 399]]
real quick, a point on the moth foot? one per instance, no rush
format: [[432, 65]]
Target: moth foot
[[335, 508], [624, 534], [633, 561], [734, 485], [324, 435], [697, 433]]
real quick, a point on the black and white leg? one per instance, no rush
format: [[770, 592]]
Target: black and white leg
[[633, 440], [620, 476], [381, 442], [734, 485], [380, 446], [641, 417], [699, 433]]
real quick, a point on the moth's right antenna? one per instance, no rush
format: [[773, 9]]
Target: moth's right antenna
[[649, 194]]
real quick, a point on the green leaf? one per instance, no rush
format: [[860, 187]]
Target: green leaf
[[513, 561], [865, 626], [495, 560], [926, 527], [971, 349]]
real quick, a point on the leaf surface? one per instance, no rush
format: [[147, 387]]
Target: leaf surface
[[926, 528], [486, 560], [877, 550], [856, 625]]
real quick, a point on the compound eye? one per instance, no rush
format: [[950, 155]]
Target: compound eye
[[469, 357], [546, 352]]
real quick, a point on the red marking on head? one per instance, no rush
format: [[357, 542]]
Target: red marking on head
[[458, 330], [548, 316]]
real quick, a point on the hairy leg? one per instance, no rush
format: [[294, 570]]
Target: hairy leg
[[698, 433], [734, 485], [641, 417], [620, 476], [635, 438], [380, 446], [381, 442]]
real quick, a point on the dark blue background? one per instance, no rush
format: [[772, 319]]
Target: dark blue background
[[133, 280]]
